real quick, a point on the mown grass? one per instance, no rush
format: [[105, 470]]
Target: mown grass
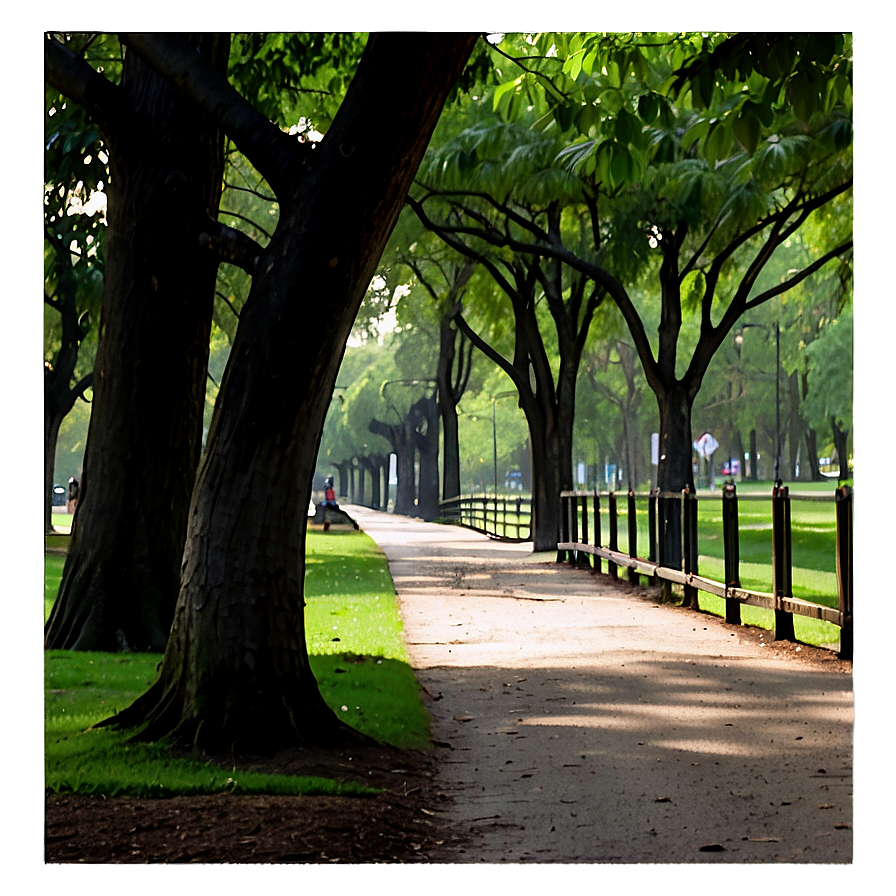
[[357, 653]]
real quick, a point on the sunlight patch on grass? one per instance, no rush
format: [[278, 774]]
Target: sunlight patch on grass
[[356, 650]]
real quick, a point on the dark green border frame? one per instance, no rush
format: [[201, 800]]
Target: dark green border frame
[[21, 569]]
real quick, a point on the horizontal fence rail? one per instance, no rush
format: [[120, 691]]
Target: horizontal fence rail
[[580, 550], [508, 519]]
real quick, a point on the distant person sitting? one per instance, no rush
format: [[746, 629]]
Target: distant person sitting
[[72, 497]]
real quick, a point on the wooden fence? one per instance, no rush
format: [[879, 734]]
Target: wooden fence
[[496, 516], [576, 547]]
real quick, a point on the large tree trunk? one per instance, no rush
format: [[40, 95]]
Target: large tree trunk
[[676, 471], [236, 673], [841, 446], [427, 442], [448, 335], [342, 486], [121, 576], [400, 437], [551, 474], [550, 422]]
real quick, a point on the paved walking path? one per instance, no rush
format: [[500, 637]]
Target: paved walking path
[[582, 722]]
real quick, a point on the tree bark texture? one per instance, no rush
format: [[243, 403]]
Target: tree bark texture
[[236, 673], [452, 376], [122, 573]]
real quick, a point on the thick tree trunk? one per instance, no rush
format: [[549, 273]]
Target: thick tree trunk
[[812, 455], [841, 446], [676, 471], [236, 673], [374, 466], [427, 441], [342, 472], [405, 461], [122, 572], [450, 391], [551, 474], [400, 437]]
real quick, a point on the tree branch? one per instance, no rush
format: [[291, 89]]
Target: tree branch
[[798, 278], [231, 245], [270, 150], [489, 352], [101, 100]]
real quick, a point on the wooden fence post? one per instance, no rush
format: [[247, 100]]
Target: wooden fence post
[[633, 576], [731, 543], [598, 566], [562, 534], [844, 568], [612, 568], [651, 534], [669, 536], [689, 545], [572, 522], [781, 562], [584, 557]]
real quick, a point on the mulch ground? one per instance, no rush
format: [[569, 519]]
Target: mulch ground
[[405, 822]]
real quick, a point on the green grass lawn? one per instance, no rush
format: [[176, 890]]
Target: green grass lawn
[[356, 649]]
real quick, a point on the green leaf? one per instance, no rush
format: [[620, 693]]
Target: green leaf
[[638, 65], [747, 129], [564, 115], [842, 133], [620, 165], [648, 108], [586, 118], [718, 143], [588, 62], [695, 132], [573, 65], [802, 96], [503, 89], [627, 128]]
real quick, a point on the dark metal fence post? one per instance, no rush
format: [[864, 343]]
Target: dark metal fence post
[[584, 557], [781, 562], [689, 545], [651, 534], [562, 534], [844, 568], [598, 566], [669, 535], [633, 576], [614, 538], [572, 526], [731, 543]]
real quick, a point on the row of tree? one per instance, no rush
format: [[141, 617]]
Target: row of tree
[[584, 177], [600, 198]]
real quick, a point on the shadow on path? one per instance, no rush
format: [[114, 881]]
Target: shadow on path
[[578, 721]]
